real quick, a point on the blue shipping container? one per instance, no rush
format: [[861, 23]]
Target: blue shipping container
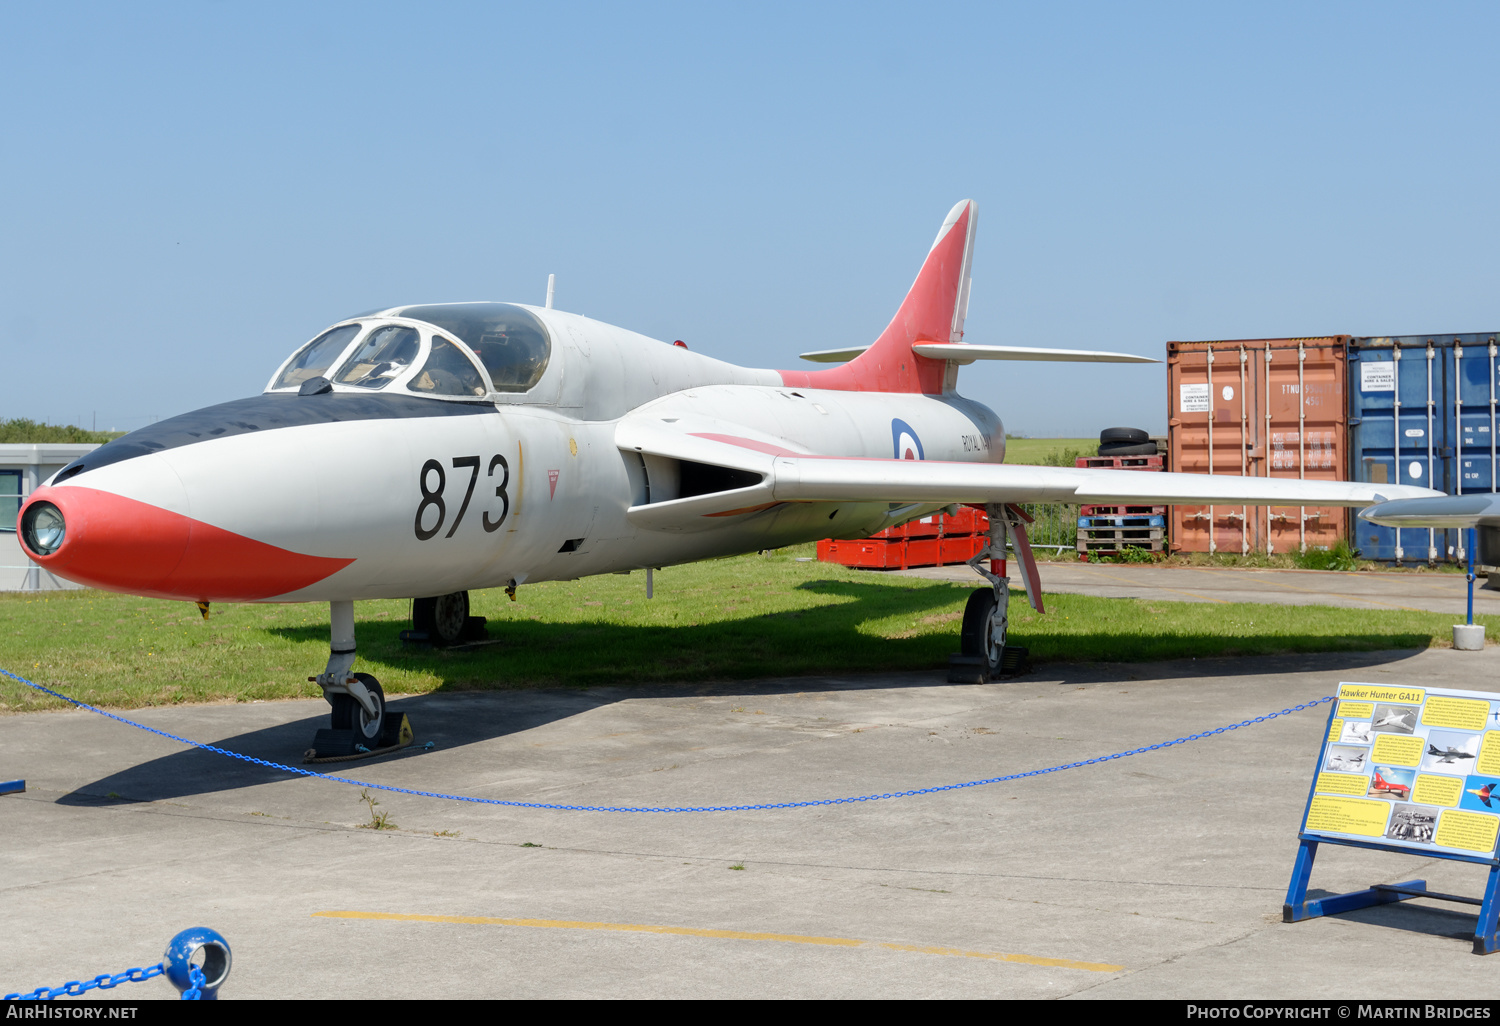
[[1422, 411]]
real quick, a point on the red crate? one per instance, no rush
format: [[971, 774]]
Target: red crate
[[923, 552], [935, 540], [968, 520], [930, 526], [962, 549], [864, 553]]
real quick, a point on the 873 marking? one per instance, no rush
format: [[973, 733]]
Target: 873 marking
[[432, 496]]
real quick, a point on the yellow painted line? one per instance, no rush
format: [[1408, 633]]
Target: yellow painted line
[[693, 931]]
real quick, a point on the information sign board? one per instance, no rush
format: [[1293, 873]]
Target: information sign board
[[1406, 769], [1411, 769]]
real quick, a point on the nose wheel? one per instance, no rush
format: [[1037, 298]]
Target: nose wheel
[[349, 714], [359, 724]]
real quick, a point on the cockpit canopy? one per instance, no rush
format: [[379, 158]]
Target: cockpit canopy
[[428, 350]]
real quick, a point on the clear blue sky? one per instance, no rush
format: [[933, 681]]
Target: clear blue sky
[[190, 191]]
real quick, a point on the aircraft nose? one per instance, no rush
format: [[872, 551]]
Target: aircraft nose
[[102, 539]]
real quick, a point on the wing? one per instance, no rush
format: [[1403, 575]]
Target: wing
[[736, 474], [1478, 510]]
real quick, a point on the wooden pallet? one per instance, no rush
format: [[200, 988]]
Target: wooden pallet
[[1105, 540]]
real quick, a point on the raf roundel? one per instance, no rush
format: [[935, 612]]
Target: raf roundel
[[904, 437]]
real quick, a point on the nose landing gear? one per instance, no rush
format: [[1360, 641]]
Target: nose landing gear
[[359, 724]]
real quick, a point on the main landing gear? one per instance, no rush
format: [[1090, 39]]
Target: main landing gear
[[983, 653], [359, 724], [444, 620]]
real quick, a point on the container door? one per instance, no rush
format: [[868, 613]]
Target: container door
[[1212, 399], [1422, 416], [1305, 429]]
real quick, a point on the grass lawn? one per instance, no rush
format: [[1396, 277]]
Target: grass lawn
[[1037, 451], [751, 616]]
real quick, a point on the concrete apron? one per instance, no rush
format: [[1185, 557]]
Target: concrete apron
[[1161, 875]]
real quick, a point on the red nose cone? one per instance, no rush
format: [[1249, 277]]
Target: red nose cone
[[120, 544]]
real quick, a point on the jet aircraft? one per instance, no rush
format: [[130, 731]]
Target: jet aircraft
[[1484, 794], [1384, 786], [430, 449], [1346, 762], [1448, 753], [1396, 718]]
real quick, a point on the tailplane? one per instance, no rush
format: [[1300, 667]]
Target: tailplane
[[933, 311]]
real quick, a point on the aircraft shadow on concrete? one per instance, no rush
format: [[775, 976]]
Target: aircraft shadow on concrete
[[767, 654], [449, 721]]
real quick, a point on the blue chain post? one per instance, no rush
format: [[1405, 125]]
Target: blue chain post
[[1469, 547], [197, 984]]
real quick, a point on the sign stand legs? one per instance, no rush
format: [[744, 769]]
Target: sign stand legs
[[1299, 908], [1489, 911]]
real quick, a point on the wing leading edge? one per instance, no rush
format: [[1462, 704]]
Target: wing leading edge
[[807, 479]]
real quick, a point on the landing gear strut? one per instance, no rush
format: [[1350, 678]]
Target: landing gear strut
[[983, 654], [358, 724]]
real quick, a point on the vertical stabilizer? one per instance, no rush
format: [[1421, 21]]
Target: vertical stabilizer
[[933, 311]]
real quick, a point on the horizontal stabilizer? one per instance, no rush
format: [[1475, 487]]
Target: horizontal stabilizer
[[834, 355], [959, 352]]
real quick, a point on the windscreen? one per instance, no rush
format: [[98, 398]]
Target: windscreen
[[317, 356], [381, 358]]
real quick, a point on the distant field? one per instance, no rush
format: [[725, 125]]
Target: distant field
[[752, 616], [1041, 451]]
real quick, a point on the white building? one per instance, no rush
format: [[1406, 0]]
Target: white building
[[23, 469]]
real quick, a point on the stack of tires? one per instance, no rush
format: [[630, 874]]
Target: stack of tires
[[1125, 441]]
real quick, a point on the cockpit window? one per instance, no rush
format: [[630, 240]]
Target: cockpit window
[[317, 356], [382, 357], [447, 372], [510, 342]]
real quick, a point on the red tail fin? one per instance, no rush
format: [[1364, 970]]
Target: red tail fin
[[933, 311]]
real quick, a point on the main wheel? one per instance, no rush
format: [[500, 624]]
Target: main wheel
[[350, 715], [986, 622], [1123, 435], [1127, 449], [442, 618]]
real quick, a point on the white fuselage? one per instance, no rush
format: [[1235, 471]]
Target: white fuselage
[[526, 487]]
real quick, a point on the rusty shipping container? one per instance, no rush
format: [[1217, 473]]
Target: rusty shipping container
[[1266, 407]]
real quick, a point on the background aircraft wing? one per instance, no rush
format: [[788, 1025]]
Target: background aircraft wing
[[1478, 510]]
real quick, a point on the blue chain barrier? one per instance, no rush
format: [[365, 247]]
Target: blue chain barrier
[[178, 967], [104, 981], [680, 808], [195, 992]]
